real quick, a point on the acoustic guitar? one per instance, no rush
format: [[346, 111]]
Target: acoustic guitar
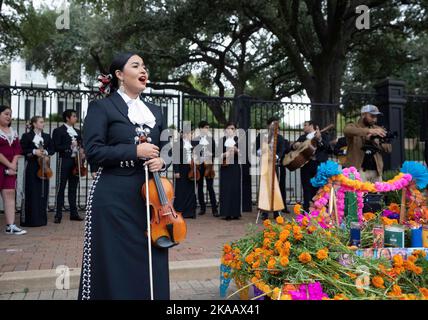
[[299, 157]]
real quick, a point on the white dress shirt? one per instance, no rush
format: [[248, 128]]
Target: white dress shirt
[[138, 112]]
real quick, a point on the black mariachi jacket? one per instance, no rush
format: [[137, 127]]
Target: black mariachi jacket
[[28, 146], [109, 135], [62, 141]]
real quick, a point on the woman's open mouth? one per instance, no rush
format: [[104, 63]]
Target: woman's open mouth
[[142, 79]]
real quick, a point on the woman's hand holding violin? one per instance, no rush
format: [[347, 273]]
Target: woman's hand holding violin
[[155, 164], [147, 150]]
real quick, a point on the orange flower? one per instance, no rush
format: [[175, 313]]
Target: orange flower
[[298, 236], [394, 207], [305, 257], [296, 229], [378, 282], [424, 292], [398, 260], [419, 252], [418, 270], [284, 235], [312, 229], [271, 264], [340, 296], [256, 264], [266, 223], [396, 291], [297, 208], [336, 276], [322, 254], [386, 221], [280, 220], [227, 248], [368, 216], [284, 261], [412, 258], [266, 242]]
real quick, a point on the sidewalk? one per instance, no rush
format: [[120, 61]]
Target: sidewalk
[[180, 290], [61, 244]]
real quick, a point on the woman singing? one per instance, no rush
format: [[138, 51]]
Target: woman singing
[[35, 145], [10, 150], [115, 257], [185, 188], [230, 176]]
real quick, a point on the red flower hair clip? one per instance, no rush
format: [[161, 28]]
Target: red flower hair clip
[[105, 85]]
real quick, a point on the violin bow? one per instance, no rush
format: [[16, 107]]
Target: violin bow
[[140, 131]]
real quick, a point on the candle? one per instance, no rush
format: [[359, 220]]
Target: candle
[[416, 237], [355, 234]]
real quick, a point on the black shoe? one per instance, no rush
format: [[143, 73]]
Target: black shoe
[[216, 214], [57, 220], [227, 218], [201, 213], [265, 216], [76, 218], [236, 218]]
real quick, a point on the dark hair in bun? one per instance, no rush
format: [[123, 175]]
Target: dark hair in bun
[[118, 63]]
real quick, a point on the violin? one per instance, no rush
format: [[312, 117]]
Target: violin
[[209, 167], [44, 172], [194, 173], [167, 226], [79, 168]]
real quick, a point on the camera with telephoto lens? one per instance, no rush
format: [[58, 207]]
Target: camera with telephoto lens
[[372, 145]]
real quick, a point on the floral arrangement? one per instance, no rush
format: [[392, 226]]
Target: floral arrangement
[[413, 176], [291, 261]]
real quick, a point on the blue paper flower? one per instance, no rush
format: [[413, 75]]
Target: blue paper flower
[[325, 171], [418, 172]]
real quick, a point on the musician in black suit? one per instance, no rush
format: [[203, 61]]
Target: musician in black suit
[[35, 144], [67, 140], [205, 150], [115, 255], [282, 148], [309, 170]]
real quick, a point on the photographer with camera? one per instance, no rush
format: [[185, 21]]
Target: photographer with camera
[[366, 143]]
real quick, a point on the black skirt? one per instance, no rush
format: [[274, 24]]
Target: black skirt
[[230, 190], [36, 197], [185, 197], [115, 258]]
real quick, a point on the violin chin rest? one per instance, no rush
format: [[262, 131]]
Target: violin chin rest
[[164, 242]]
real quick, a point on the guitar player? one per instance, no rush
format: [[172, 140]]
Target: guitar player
[[309, 170]]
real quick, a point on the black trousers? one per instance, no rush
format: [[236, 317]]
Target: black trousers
[[426, 152], [210, 188], [307, 172], [66, 175], [282, 182]]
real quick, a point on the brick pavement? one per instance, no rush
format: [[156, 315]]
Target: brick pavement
[[61, 244], [180, 290]]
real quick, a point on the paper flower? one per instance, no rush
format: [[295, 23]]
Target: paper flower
[[418, 172]]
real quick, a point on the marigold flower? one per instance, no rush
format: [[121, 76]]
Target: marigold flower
[[322, 254], [297, 208], [312, 229], [336, 276], [417, 270], [227, 248], [424, 292], [368, 216], [396, 291], [305, 257], [249, 258], [266, 242], [398, 260], [412, 258], [296, 229], [256, 264], [266, 223], [284, 235], [340, 296], [394, 207], [280, 220], [284, 261], [271, 264], [298, 236], [418, 253], [305, 221], [378, 282]]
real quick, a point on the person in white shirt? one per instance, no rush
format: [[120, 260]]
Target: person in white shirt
[[67, 142]]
